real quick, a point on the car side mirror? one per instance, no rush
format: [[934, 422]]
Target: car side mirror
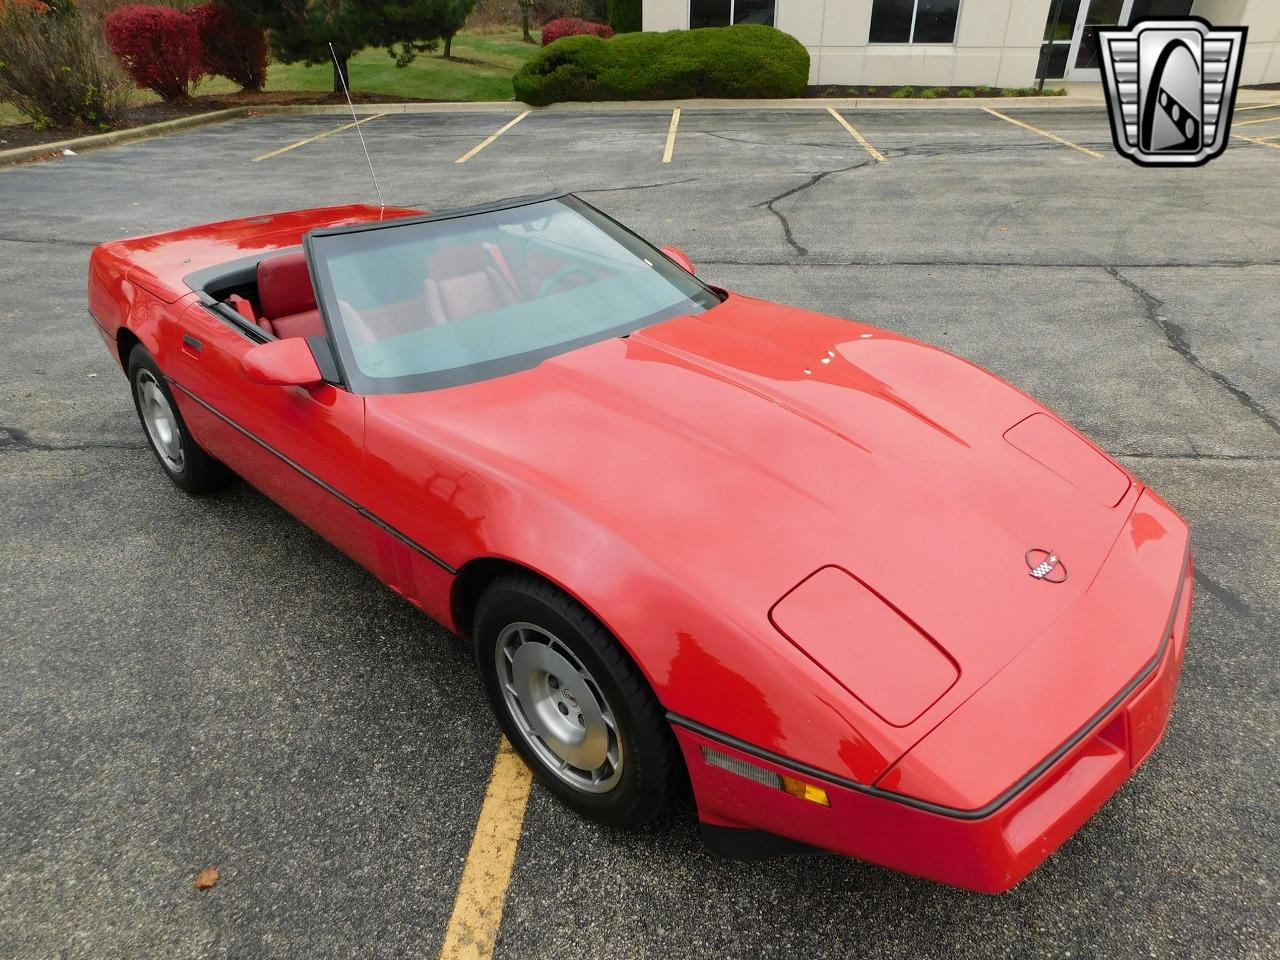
[[679, 256], [281, 363]]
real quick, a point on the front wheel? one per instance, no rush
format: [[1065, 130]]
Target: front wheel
[[573, 704], [184, 460]]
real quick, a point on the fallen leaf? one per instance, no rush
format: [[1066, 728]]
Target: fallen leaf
[[206, 878]]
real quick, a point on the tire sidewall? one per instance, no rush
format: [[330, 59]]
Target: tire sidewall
[[501, 606], [140, 359]]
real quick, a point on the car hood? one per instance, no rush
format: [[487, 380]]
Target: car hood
[[749, 446]]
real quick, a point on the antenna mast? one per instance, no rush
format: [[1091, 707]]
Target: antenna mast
[[343, 77]]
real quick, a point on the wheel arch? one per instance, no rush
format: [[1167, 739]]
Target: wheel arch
[[475, 576], [126, 340]]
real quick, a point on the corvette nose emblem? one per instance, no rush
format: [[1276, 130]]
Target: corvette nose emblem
[[1045, 565]]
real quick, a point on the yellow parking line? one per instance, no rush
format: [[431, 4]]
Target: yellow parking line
[[1044, 133], [1264, 141], [482, 892], [1258, 106], [318, 136], [876, 155], [671, 136], [489, 139], [1250, 123]]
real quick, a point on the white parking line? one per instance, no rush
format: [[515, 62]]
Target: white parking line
[[492, 137], [318, 136], [671, 136], [876, 155]]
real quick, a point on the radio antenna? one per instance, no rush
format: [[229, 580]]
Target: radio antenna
[[343, 77]]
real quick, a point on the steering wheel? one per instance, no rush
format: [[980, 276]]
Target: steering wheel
[[549, 284]]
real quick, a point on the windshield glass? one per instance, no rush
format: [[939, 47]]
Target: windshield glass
[[428, 303]]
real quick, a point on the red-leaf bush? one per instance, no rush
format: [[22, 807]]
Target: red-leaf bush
[[159, 47], [232, 48], [572, 27]]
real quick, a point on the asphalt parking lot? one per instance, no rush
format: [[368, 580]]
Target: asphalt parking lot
[[186, 682]]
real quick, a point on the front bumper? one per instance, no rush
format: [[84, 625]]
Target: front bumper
[[988, 853]]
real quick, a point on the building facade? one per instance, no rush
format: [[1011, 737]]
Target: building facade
[[1005, 43]]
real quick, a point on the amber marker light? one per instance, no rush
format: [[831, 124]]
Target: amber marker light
[[805, 791]]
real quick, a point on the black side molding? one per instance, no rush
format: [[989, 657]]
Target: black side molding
[[328, 488]]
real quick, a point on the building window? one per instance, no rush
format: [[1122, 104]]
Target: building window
[[721, 13], [1058, 31], [914, 21]]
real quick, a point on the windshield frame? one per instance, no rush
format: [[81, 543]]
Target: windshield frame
[[355, 380]]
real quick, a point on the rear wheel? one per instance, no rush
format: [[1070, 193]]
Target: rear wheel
[[184, 460], [573, 704]]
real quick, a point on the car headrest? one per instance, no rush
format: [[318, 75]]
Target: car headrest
[[284, 285], [457, 259]]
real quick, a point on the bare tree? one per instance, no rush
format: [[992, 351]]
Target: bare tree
[[527, 10]]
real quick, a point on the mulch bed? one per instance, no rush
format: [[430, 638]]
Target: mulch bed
[[13, 135]]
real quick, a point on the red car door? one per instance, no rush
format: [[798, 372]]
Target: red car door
[[301, 446]]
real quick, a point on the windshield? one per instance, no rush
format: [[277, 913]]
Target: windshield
[[437, 302]]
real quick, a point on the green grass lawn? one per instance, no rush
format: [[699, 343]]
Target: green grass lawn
[[492, 59], [429, 77]]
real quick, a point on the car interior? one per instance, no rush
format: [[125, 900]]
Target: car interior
[[459, 280]]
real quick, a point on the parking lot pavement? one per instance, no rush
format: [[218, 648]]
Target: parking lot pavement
[[187, 683]]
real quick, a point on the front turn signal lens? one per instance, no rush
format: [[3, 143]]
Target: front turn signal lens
[[805, 791]]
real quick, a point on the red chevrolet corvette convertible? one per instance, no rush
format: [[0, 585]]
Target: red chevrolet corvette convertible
[[862, 595]]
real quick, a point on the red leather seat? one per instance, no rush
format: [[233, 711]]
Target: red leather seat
[[466, 279], [287, 297]]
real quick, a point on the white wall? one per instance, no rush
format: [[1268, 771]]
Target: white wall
[[1262, 48], [997, 41]]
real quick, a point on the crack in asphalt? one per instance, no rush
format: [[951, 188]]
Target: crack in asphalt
[[1231, 600], [1177, 338], [1245, 457], [830, 145], [811, 182], [16, 440], [640, 186], [1066, 265], [50, 241]]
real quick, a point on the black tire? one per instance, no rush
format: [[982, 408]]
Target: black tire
[[649, 771], [197, 473]]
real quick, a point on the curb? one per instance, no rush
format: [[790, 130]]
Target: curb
[[40, 150]]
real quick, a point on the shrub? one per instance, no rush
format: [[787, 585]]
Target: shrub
[[573, 27], [903, 92], [745, 60], [626, 16], [159, 47], [966, 92], [55, 66], [232, 48]]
